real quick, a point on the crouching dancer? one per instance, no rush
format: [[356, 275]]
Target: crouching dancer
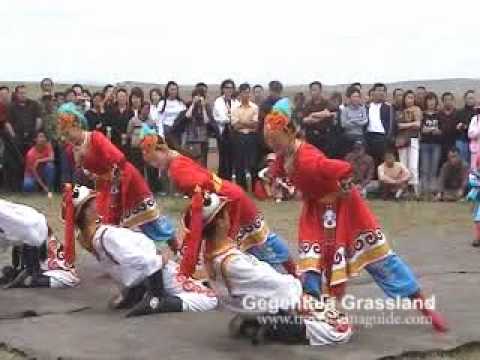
[[38, 258], [245, 285], [149, 282]]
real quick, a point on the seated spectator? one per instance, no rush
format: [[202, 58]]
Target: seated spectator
[[393, 177], [363, 168], [268, 187], [39, 166], [453, 177]]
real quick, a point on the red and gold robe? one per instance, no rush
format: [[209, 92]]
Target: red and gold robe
[[247, 223], [124, 197], [357, 240]]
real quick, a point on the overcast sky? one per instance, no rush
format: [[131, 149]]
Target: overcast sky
[[338, 41]]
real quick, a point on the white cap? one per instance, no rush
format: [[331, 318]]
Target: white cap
[[212, 204], [81, 195]]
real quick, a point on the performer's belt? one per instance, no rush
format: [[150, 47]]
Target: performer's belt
[[329, 199], [217, 182]]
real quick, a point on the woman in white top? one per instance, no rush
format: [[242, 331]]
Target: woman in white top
[[155, 107], [170, 106]]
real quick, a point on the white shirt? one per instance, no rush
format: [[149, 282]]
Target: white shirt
[[374, 120], [172, 109], [21, 224], [126, 255], [222, 113], [154, 117]]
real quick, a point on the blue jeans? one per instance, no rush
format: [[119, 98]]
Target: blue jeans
[[464, 148], [46, 171], [391, 274], [429, 163]]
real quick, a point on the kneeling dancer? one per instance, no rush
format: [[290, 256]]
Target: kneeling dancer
[[38, 258], [150, 283], [243, 283]]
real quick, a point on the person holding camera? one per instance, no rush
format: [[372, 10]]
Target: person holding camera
[[192, 125]]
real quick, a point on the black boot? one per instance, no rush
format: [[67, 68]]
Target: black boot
[[30, 268], [291, 329], [155, 300], [128, 297]]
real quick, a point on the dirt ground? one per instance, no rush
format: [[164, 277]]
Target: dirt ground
[[76, 323]]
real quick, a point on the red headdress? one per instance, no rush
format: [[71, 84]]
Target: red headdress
[[276, 121]]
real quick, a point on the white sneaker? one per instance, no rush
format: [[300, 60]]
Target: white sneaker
[[398, 194]]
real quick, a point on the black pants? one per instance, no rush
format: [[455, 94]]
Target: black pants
[[225, 160], [245, 150], [376, 146], [13, 163]]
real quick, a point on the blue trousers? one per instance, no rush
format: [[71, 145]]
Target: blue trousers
[[391, 274], [464, 148], [161, 229], [46, 172], [273, 251]]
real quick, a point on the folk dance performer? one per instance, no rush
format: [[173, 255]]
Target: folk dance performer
[[38, 258], [124, 197], [245, 284], [338, 234], [149, 281], [249, 227]]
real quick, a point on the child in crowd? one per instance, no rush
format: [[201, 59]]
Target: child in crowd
[[393, 176], [268, 187]]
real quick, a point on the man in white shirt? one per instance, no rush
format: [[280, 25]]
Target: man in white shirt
[[380, 123], [245, 137], [222, 111]]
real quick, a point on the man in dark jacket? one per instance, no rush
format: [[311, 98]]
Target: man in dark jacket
[[464, 116]]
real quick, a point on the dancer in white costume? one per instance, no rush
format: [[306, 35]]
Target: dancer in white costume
[[149, 281], [246, 285], [37, 256]]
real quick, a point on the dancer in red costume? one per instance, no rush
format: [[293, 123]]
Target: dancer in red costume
[[124, 197], [338, 234], [248, 225]]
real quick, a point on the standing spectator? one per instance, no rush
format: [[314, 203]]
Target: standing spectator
[[154, 116], [46, 87], [222, 111], [363, 167], [12, 159], [109, 97], [134, 129], [39, 166], [406, 140], [171, 106], [4, 95], [420, 93], [192, 126], [78, 90], [203, 88], [59, 98], [474, 136], [86, 99], [336, 100], [397, 105], [25, 117], [275, 90], [70, 96], [353, 118], [136, 100], [118, 120], [319, 120], [380, 125], [298, 108], [464, 116], [430, 145], [258, 95], [96, 116], [453, 177], [448, 117], [245, 138], [393, 177]]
